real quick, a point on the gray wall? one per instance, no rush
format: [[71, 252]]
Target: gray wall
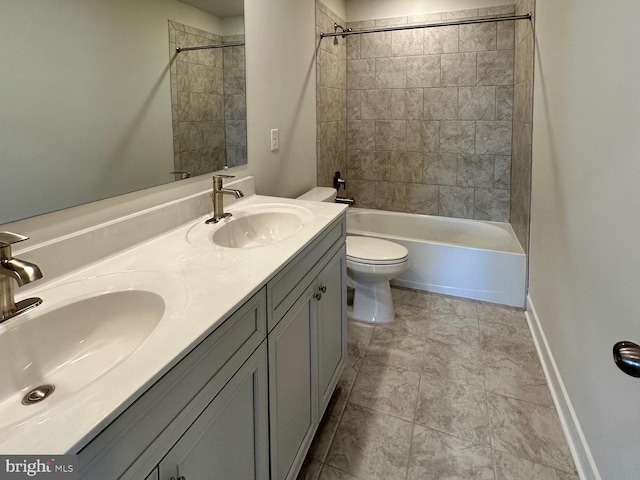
[[583, 281]]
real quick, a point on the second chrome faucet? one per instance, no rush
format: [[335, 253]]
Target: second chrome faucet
[[218, 200]]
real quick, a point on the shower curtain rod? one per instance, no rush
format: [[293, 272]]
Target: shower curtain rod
[[205, 47], [469, 21]]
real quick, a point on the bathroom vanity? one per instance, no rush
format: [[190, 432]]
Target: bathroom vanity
[[235, 384]]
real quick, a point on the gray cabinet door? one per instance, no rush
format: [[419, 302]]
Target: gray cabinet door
[[229, 440], [332, 326], [153, 475], [292, 387]]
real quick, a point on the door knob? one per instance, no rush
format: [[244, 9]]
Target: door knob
[[627, 357]]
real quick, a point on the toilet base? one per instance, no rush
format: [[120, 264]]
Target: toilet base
[[372, 303]]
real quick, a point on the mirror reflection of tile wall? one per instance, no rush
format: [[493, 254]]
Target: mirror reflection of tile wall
[[207, 101]]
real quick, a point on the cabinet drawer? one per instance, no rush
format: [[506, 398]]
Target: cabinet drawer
[[296, 276], [158, 418]]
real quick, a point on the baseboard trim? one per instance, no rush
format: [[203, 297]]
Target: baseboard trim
[[585, 464]]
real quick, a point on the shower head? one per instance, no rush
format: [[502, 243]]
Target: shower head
[[336, 26]]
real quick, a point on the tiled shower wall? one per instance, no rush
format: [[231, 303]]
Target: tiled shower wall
[[429, 115], [331, 98], [522, 125], [208, 103]]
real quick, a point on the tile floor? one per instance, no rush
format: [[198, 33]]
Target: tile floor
[[452, 389]]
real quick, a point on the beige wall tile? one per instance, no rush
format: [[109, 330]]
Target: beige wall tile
[[441, 39], [477, 103], [423, 71], [441, 103], [458, 69], [391, 72], [478, 37], [440, 168], [407, 42]]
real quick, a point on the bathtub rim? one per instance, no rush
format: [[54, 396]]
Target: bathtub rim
[[514, 247]]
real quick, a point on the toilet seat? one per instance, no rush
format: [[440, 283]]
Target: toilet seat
[[375, 251]]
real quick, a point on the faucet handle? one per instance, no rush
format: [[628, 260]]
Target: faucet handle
[[223, 175], [9, 238]]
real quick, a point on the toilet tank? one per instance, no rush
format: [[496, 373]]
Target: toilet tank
[[320, 194]]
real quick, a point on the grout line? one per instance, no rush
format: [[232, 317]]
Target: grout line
[[413, 427]]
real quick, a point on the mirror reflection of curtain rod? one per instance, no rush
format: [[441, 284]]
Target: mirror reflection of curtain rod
[[349, 31], [205, 47]]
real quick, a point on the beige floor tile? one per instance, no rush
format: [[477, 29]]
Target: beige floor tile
[[456, 363], [519, 377], [408, 320], [310, 470], [461, 307], [529, 431], [509, 467], [512, 339], [392, 347], [500, 313], [332, 473], [386, 389], [358, 337], [350, 372], [453, 408], [454, 330], [457, 349], [328, 426], [371, 445], [438, 456], [415, 298]]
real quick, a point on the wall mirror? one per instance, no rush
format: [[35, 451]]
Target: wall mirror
[[96, 104]]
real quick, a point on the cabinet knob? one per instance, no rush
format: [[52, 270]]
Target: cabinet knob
[[323, 288], [317, 296]]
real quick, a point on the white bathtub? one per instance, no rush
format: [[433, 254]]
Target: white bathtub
[[465, 258]]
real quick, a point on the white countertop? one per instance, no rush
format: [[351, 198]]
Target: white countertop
[[208, 283]]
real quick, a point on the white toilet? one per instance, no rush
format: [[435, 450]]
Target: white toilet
[[371, 264]]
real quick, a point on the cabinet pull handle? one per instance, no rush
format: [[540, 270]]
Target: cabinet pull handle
[[323, 288], [317, 296]]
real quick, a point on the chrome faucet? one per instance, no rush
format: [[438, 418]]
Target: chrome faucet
[[14, 269], [217, 196]]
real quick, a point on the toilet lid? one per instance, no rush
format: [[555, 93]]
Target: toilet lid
[[374, 251]]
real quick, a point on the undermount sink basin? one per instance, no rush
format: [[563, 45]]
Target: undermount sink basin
[[252, 226], [81, 331]]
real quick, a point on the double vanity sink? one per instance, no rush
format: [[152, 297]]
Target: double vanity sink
[[107, 333]]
